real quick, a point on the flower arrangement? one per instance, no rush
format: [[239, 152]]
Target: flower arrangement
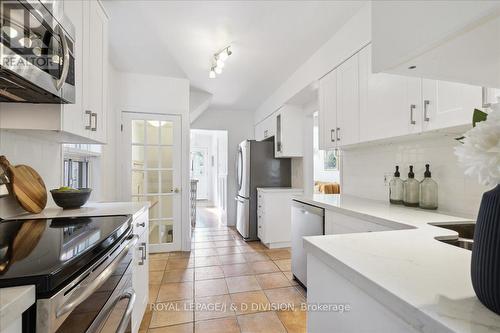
[[480, 151]]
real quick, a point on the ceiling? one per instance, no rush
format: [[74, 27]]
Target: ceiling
[[269, 40]]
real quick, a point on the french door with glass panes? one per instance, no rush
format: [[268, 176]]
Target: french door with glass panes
[[152, 143]]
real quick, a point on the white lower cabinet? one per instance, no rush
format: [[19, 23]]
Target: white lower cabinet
[[336, 223], [140, 270], [274, 216], [364, 312]]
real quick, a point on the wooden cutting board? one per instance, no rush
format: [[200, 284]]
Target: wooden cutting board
[[26, 185]]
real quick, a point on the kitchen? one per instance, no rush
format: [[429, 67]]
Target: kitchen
[[361, 146]]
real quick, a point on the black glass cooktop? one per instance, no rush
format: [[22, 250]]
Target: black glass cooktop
[[48, 252]]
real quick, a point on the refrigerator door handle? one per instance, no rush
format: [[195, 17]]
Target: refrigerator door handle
[[239, 169]]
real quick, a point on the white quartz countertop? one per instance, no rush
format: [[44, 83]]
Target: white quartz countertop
[[279, 189], [13, 302], [90, 209], [422, 280]]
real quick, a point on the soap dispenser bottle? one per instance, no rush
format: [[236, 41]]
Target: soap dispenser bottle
[[411, 190], [428, 191], [396, 189]]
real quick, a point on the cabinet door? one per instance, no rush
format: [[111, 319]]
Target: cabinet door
[[140, 271], [347, 131], [73, 114], [327, 116], [97, 56], [278, 140], [386, 102], [448, 104]]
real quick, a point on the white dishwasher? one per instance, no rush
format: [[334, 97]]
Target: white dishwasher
[[307, 220]]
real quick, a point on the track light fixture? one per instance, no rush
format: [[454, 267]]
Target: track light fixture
[[218, 61]]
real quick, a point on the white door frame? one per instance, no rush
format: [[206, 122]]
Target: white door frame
[[126, 170], [205, 152]]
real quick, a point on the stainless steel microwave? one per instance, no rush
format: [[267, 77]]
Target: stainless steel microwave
[[37, 43]]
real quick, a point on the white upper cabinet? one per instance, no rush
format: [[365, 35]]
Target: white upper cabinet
[[443, 40], [448, 104], [327, 115], [288, 140], [85, 120], [347, 131], [266, 128], [72, 116], [96, 58], [390, 105], [357, 105], [339, 106]]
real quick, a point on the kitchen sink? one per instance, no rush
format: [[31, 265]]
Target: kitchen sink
[[465, 232], [460, 242]]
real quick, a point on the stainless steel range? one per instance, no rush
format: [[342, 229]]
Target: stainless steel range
[[81, 268]]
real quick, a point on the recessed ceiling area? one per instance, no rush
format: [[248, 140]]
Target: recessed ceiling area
[[269, 40]]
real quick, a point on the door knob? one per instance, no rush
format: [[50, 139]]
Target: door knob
[[176, 190]]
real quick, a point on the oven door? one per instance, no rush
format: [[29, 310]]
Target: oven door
[[100, 300], [36, 55]]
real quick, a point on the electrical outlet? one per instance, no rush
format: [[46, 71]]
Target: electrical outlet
[[387, 178]]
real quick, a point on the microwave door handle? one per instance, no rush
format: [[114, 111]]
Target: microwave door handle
[[95, 284], [65, 70]]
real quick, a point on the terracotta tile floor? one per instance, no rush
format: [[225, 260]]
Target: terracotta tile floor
[[223, 285]]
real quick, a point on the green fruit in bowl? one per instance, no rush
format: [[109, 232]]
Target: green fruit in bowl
[[66, 189]]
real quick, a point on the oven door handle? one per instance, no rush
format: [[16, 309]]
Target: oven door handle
[[90, 288], [60, 82], [122, 326]]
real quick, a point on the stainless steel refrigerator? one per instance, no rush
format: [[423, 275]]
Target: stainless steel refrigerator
[[257, 167]]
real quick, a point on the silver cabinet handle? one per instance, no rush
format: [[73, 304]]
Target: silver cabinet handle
[[426, 105], [332, 134], [60, 82], [338, 133], [145, 254], [94, 116], [89, 113], [143, 224], [412, 110], [142, 248]]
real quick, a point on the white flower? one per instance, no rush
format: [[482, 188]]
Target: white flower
[[480, 152]]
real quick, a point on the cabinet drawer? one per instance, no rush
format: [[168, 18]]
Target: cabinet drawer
[[343, 224]]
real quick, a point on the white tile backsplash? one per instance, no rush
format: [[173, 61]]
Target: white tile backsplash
[[43, 156], [297, 173], [363, 172]]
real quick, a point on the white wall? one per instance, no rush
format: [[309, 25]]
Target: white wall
[[355, 34], [363, 172], [239, 126]]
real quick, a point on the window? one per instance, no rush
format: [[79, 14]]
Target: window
[[76, 173]]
